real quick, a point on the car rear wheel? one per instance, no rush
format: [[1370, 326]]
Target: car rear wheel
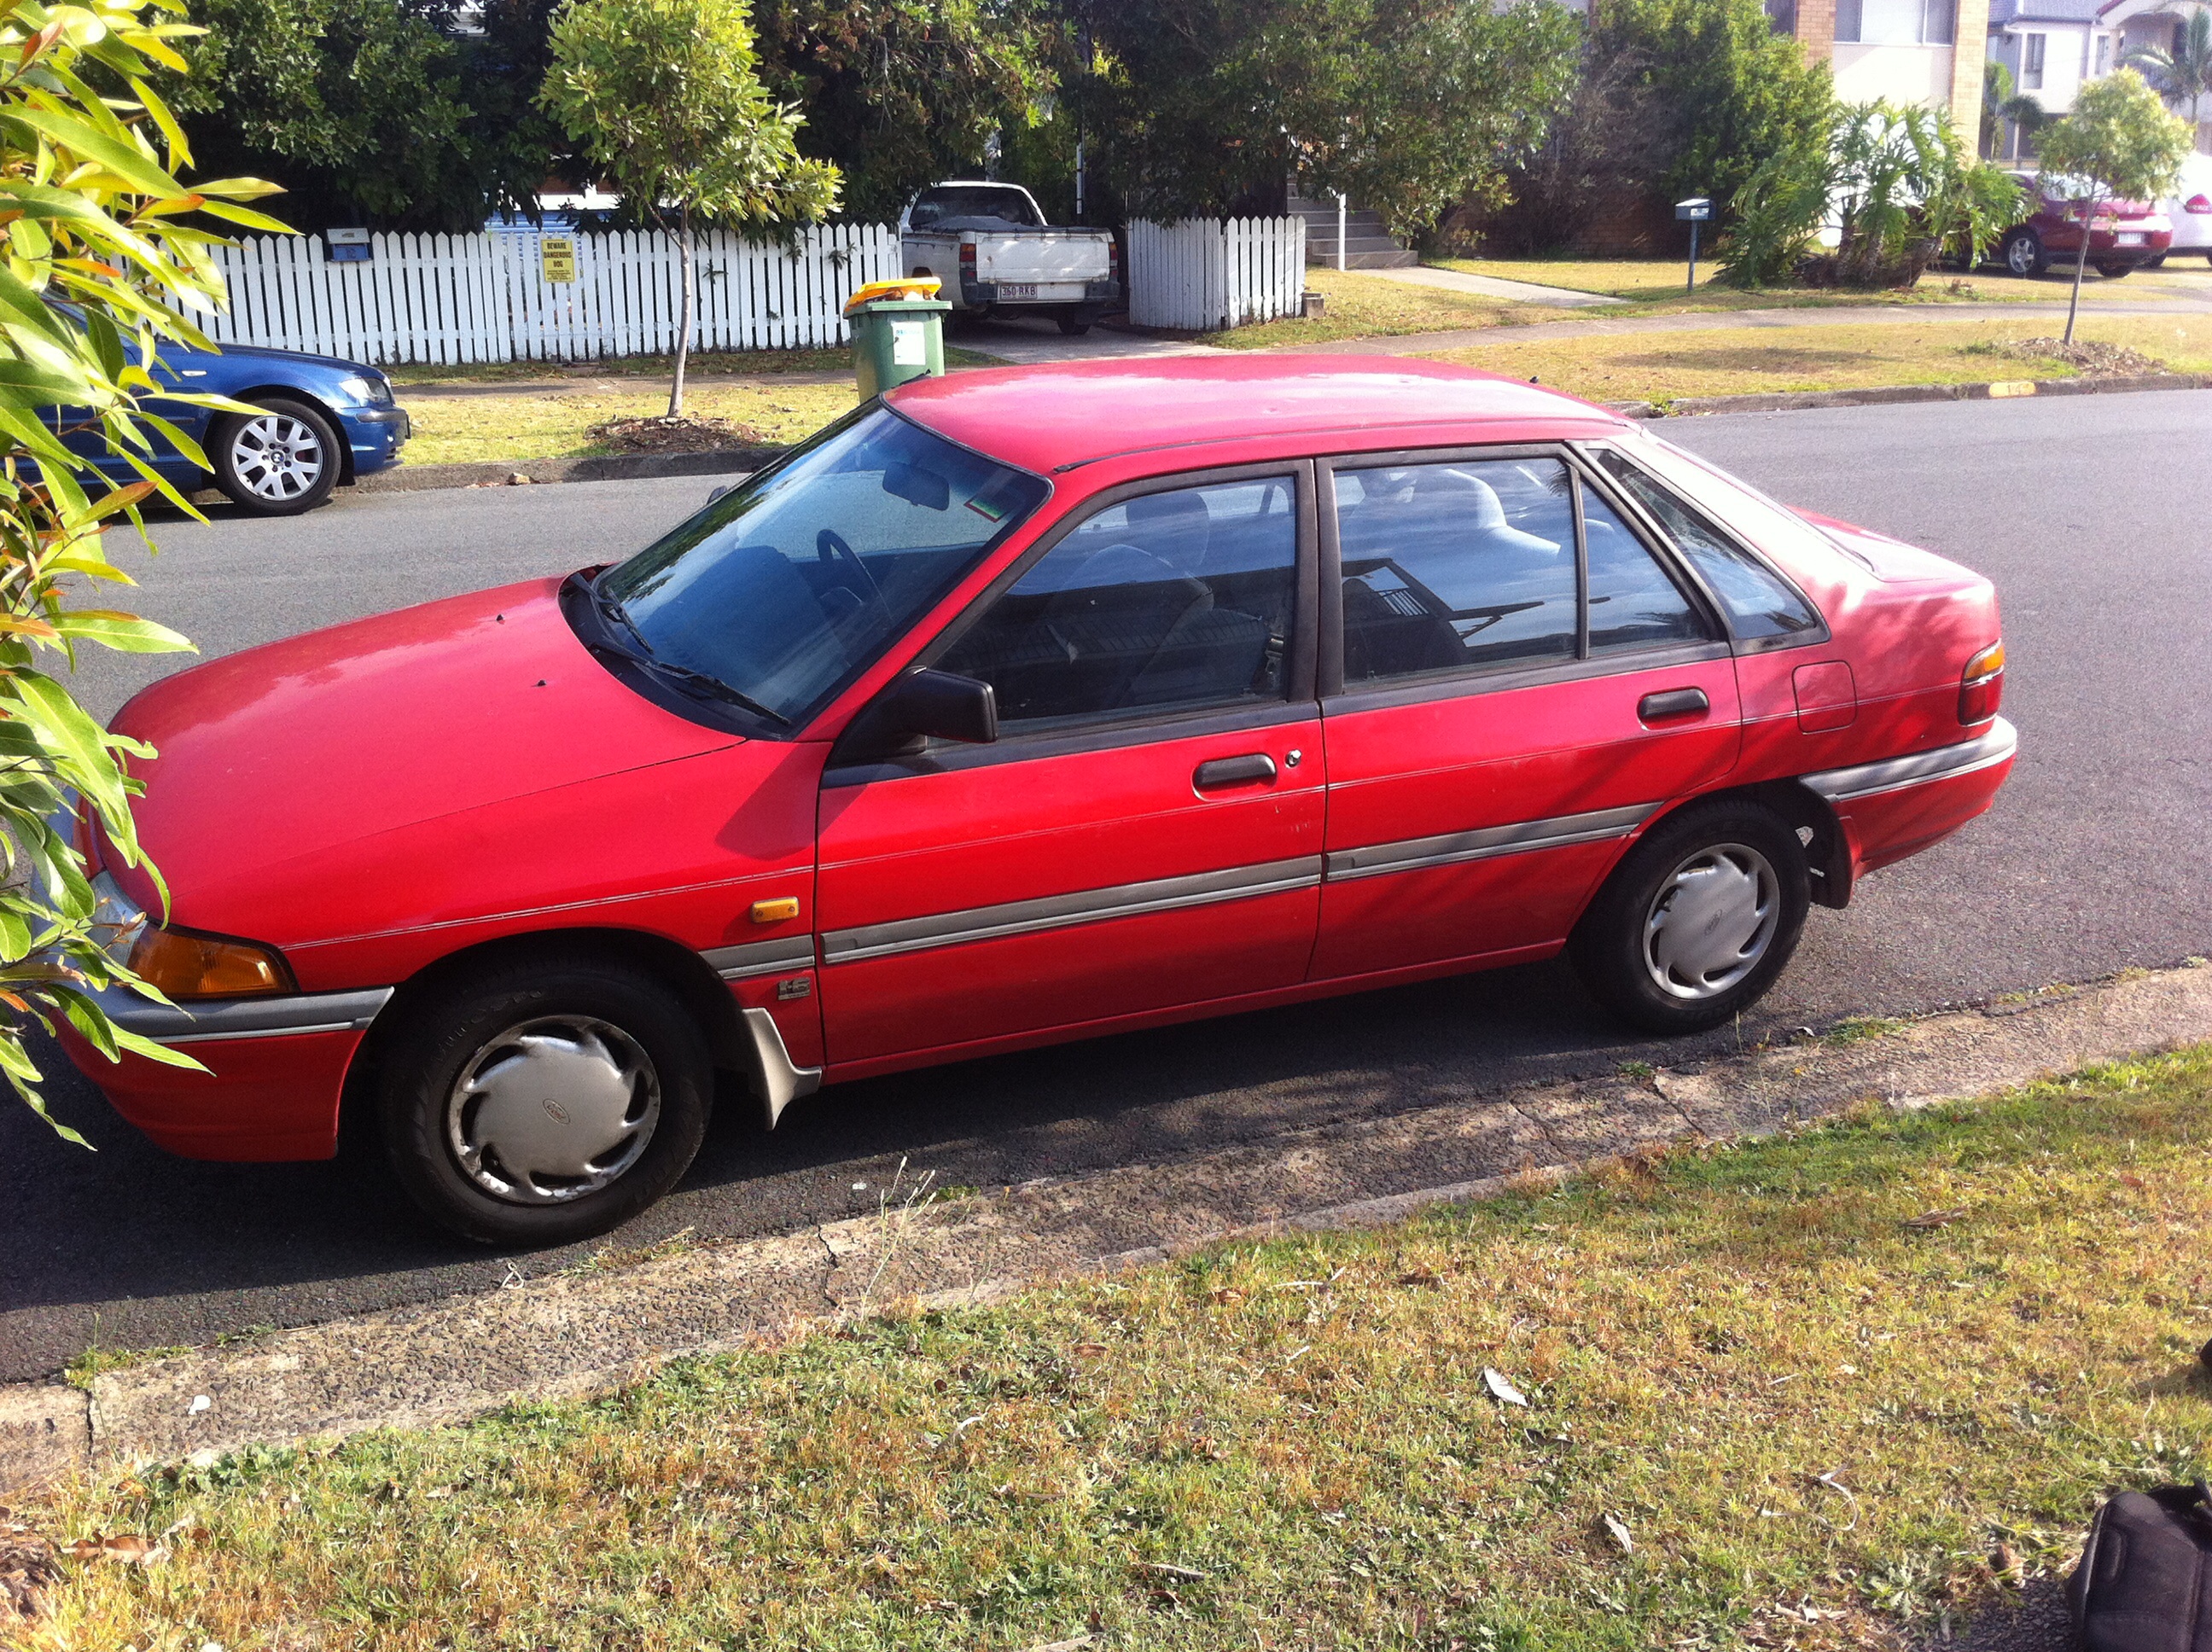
[[1074, 323], [545, 1102], [278, 462], [1698, 921], [2023, 253], [2158, 263], [2114, 271]]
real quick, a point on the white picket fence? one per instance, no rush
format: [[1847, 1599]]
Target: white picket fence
[[484, 297], [1202, 274]]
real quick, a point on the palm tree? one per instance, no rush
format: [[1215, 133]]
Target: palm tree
[[2001, 104], [2185, 69]]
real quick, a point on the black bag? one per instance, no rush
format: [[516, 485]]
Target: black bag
[[2145, 1580]]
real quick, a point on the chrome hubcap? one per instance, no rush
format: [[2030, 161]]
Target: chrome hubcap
[[1711, 921], [552, 1109], [277, 457], [2020, 255]]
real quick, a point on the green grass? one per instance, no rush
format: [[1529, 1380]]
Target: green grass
[[766, 364], [1373, 306], [555, 424], [1818, 1379], [1727, 360]]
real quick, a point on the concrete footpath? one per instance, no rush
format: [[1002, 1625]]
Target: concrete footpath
[[593, 1330]]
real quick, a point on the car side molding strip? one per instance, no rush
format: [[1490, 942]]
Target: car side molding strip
[[1063, 911], [243, 1018], [1524, 837], [1994, 746], [761, 957]]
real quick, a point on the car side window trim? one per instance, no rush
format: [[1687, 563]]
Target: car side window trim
[[1146, 726], [1452, 681], [1631, 510]]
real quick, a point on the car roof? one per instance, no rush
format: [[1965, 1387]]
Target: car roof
[[1055, 417]]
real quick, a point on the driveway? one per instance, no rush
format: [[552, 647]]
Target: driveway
[[2092, 861]]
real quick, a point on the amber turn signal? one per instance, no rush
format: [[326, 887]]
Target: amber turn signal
[[185, 965], [1981, 685]]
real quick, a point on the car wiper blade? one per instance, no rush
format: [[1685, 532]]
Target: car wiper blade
[[699, 681]]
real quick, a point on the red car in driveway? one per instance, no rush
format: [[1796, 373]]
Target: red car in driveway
[[2125, 235], [1023, 706]]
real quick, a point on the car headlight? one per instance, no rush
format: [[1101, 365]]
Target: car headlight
[[183, 964], [375, 392]]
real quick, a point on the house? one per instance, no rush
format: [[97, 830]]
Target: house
[[1910, 51], [2053, 47]]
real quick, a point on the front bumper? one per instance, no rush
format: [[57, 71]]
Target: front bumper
[[374, 436]]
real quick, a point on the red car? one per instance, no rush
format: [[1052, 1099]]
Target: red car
[[2126, 235], [1017, 706]]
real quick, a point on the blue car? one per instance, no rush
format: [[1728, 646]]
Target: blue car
[[323, 421]]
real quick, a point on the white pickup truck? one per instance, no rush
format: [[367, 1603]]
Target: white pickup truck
[[991, 250]]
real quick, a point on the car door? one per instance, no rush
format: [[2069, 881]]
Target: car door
[[1145, 832], [1517, 682]]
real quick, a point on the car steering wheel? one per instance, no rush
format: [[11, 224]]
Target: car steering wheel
[[830, 545]]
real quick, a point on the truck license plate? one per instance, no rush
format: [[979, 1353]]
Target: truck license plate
[[1017, 289]]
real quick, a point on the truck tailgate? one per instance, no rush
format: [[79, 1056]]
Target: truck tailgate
[[1044, 256]]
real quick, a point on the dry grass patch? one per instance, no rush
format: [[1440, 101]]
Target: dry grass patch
[[1739, 361], [1770, 1401]]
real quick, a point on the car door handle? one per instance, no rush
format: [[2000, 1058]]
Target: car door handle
[[1234, 771], [1672, 702]]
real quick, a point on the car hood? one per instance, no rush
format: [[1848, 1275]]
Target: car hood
[[284, 752], [296, 358]]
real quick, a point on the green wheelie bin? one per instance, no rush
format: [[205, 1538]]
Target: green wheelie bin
[[898, 333]]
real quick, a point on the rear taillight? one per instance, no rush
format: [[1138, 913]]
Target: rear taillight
[[1113, 261], [1981, 685], [2197, 203], [967, 261]]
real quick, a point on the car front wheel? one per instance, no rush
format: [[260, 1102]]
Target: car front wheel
[[545, 1102], [278, 462], [2023, 253], [1698, 921]]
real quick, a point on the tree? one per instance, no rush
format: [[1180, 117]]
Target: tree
[[2001, 105], [2185, 69], [2120, 143], [93, 216], [384, 113], [664, 95], [1410, 104], [899, 93], [1728, 92]]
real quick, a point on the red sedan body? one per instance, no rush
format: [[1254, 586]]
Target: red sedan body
[[380, 803]]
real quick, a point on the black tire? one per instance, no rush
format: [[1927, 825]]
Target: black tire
[[1074, 327], [2114, 271], [2158, 263], [283, 461], [2024, 254], [1620, 957], [566, 1035]]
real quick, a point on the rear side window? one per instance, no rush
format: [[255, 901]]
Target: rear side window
[[1168, 602], [1759, 604], [1470, 564]]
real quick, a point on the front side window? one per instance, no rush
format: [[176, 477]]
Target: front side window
[[782, 592], [1760, 603], [1470, 565], [1167, 602]]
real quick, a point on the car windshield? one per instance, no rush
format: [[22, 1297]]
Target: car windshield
[[782, 590], [1008, 206]]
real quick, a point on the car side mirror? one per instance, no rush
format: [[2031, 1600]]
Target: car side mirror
[[920, 706]]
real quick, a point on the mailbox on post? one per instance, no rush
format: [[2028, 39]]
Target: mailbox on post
[[1695, 211], [347, 245]]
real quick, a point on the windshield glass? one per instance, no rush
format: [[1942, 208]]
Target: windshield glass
[[785, 588], [1008, 206]]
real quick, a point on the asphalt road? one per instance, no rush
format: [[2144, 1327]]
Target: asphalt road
[[2093, 861]]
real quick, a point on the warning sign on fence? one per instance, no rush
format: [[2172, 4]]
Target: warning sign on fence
[[558, 256]]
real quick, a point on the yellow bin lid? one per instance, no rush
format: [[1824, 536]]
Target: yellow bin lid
[[905, 286]]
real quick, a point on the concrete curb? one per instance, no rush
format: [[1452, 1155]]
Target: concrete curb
[[588, 1332], [732, 461]]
